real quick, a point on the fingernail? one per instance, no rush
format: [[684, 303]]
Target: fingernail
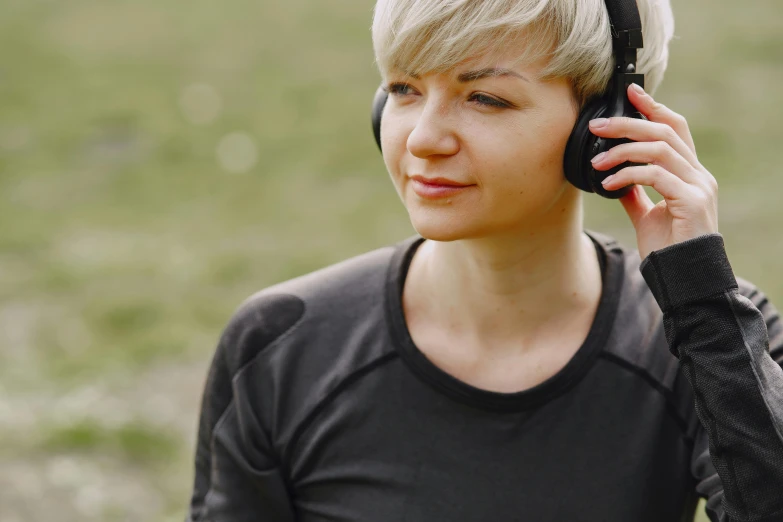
[[599, 158], [607, 179], [598, 123], [637, 88]]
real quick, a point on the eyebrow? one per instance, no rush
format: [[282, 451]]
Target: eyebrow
[[488, 72]]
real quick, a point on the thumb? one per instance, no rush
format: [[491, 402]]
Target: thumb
[[637, 204]]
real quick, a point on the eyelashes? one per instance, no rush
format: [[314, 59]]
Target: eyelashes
[[483, 99], [398, 89], [401, 89]]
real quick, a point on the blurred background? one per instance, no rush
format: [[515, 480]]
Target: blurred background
[[162, 160]]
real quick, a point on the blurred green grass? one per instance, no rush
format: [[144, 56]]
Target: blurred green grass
[[126, 244]]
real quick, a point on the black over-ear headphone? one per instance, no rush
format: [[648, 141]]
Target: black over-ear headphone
[[583, 145]]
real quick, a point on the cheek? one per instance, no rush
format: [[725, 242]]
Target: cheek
[[392, 144], [545, 143], [531, 154], [522, 168]]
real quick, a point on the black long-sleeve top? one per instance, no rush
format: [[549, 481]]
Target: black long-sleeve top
[[319, 407]]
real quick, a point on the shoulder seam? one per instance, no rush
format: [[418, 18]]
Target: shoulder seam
[[210, 490], [274, 342], [657, 386], [328, 398]]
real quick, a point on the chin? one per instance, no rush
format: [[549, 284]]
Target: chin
[[443, 224]]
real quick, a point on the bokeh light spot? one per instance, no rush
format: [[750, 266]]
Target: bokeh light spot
[[237, 152]]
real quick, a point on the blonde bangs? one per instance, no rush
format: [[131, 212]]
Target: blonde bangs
[[573, 36], [434, 36]]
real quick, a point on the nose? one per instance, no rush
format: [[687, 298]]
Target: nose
[[433, 133]]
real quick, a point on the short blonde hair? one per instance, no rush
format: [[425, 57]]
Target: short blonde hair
[[574, 36]]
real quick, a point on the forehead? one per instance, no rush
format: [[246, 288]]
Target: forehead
[[511, 58]]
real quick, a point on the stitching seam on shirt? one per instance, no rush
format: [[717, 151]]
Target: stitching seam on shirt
[[211, 489], [277, 340], [220, 421], [342, 385], [667, 394], [727, 295], [234, 377]]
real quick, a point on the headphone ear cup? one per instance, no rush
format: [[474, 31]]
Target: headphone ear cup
[[378, 103], [583, 145]]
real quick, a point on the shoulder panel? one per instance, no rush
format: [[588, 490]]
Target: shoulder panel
[[296, 342], [256, 324], [271, 313]]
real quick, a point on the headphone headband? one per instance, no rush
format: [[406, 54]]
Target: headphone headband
[[624, 15]]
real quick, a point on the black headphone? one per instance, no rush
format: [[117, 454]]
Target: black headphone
[[583, 145]]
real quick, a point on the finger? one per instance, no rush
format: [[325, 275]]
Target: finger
[[637, 204], [660, 113], [642, 130], [655, 152], [664, 182]]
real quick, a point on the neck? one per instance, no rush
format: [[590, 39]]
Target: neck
[[498, 290]]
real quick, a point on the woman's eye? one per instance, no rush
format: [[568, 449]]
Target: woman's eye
[[488, 100], [399, 89], [405, 89]]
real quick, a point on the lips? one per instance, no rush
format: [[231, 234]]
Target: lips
[[435, 188], [439, 182]]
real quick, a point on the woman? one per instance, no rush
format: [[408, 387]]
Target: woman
[[506, 364]]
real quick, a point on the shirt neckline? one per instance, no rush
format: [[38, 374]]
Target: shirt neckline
[[612, 274]]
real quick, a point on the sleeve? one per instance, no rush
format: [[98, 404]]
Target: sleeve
[[236, 476], [730, 349]]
